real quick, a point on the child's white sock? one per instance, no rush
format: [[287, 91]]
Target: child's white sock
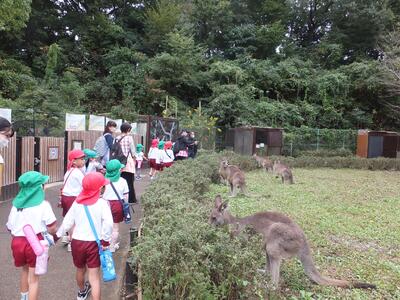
[[24, 296]]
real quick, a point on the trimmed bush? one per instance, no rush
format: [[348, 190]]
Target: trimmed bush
[[352, 162], [326, 153]]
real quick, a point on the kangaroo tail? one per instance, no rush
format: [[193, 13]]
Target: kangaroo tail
[[314, 275]]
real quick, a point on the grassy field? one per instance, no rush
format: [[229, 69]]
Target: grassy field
[[351, 218]]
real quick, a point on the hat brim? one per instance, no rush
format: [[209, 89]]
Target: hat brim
[[90, 197]]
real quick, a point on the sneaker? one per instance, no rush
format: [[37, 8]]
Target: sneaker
[[138, 178], [69, 249], [82, 295], [65, 239]]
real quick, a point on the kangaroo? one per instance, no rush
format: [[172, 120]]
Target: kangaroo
[[233, 176], [282, 170], [283, 239], [263, 162]]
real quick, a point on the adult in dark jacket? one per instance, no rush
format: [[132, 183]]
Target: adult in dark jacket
[[109, 130], [181, 146], [192, 147]]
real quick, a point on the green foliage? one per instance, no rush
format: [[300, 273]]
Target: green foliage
[[14, 14], [258, 62]]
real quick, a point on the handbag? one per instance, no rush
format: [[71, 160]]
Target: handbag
[[125, 206], [106, 259]]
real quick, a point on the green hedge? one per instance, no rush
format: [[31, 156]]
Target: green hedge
[[337, 162], [181, 255]]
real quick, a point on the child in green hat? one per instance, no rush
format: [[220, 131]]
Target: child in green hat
[[29, 207], [139, 156], [92, 163], [117, 189]]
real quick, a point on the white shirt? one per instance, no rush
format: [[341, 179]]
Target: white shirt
[[122, 188], [73, 183], [168, 156], [1, 159], [153, 153], [102, 220], [139, 155], [38, 217]]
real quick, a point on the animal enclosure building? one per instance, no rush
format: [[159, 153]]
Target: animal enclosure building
[[250, 140], [372, 144]]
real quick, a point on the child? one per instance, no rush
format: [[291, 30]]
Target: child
[[72, 185], [168, 158], [85, 250], [29, 207], [113, 173], [160, 156], [152, 155], [139, 156], [92, 164]]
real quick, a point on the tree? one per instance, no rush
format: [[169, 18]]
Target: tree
[[14, 14]]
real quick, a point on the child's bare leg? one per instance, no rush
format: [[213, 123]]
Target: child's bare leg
[[115, 234], [94, 279], [24, 286], [33, 281], [80, 278]]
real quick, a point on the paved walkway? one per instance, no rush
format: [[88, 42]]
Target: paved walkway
[[59, 282]]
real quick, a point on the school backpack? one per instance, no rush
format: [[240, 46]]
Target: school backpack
[[101, 146], [117, 153]]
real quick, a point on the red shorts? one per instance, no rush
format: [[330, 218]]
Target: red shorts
[[152, 163], [66, 203], [85, 253], [168, 164], [159, 167], [117, 211], [22, 252]]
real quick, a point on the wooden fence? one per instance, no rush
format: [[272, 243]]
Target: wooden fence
[[52, 158]]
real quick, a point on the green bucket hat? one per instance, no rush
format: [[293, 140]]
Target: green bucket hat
[[161, 145], [113, 168], [89, 153], [31, 192], [139, 147]]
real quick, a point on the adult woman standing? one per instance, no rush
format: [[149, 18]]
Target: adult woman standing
[[129, 150], [109, 130], [6, 133]]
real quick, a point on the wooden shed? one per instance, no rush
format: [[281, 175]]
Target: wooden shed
[[378, 144], [250, 140]]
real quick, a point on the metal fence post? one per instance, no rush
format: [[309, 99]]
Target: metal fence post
[[291, 148], [317, 139]]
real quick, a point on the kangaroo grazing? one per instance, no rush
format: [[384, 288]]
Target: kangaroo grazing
[[283, 239], [233, 176], [282, 170], [263, 162]]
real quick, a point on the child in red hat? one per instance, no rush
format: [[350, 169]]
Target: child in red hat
[[72, 185], [85, 251], [168, 155], [152, 156]]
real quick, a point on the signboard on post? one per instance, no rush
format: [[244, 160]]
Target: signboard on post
[[74, 122], [97, 122], [5, 113]]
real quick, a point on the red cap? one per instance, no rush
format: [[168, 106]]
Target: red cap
[[91, 184], [154, 143], [74, 154], [168, 145]]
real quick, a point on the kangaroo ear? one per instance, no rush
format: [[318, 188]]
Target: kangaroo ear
[[218, 201], [223, 206]]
